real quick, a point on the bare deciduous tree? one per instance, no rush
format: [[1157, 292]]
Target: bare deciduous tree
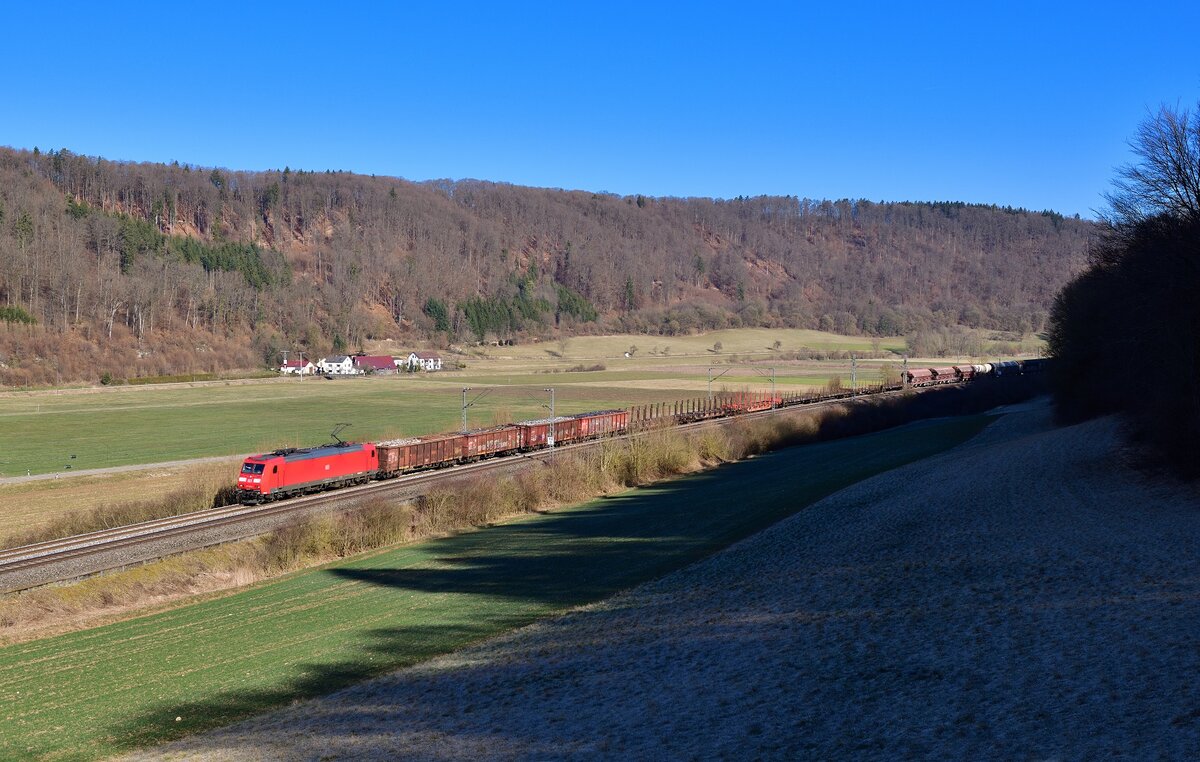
[[1166, 178]]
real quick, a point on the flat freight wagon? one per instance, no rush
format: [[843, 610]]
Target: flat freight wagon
[[749, 402]]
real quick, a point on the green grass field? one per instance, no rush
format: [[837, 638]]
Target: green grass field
[[146, 425], [39, 434], [40, 431], [103, 691]]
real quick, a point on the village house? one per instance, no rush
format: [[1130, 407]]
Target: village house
[[375, 363], [295, 367], [424, 361], [337, 365]]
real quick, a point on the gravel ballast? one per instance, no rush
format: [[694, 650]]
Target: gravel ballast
[[1025, 595]]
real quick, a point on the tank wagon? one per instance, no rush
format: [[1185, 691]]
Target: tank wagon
[[1020, 367]]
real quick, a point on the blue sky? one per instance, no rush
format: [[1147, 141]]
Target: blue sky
[[1004, 103]]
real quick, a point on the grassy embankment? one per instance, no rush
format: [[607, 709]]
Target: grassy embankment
[[101, 691], [48, 510]]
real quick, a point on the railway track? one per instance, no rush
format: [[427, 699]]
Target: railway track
[[118, 547]]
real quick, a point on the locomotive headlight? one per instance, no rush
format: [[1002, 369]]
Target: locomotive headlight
[[258, 481]]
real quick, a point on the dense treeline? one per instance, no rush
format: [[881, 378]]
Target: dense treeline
[[1126, 332], [130, 254]]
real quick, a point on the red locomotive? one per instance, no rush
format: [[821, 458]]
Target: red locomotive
[[294, 471]]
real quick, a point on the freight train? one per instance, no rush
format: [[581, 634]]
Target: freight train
[[295, 471], [953, 374]]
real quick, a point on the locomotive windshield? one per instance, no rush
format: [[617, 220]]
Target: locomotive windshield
[[253, 468]]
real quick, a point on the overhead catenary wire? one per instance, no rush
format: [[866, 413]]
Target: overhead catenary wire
[[466, 404]]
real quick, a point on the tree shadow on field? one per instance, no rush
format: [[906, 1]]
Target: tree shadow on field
[[386, 649], [506, 576], [518, 573]]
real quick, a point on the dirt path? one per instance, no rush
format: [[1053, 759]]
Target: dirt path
[[1023, 596]]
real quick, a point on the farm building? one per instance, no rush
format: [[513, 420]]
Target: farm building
[[298, 367], [374, 363], [337, 365], [424, 361]]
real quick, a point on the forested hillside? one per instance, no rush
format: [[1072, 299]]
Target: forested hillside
[[142, 269]]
